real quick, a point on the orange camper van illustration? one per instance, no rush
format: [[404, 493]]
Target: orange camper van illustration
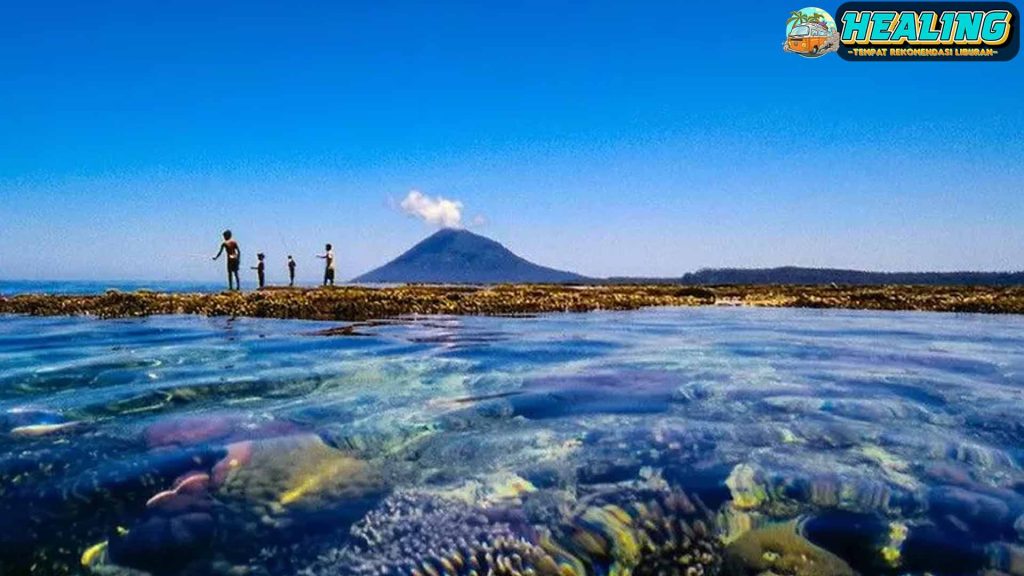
[[811, 32]]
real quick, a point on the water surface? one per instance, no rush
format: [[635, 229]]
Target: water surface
[[195, 445]]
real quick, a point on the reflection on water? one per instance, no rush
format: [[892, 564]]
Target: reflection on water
[[700, 441]]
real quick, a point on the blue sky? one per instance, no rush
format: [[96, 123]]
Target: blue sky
[[603, 137]]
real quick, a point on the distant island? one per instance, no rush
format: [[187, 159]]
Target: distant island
[[456, 256], [795, 275]]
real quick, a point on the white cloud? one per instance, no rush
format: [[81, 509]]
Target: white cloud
[[437, 210]]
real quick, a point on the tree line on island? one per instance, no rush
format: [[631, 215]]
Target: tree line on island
[[798, 275]]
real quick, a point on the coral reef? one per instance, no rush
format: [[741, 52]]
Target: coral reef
[[351, 303], [417, 532], [425, 535], [869, 543], [57, 498], [747, 491], [978, 299], [275, 476], [789, 495], [354, 303], [664, 533], [780, 550], [251, 496], [500, 557]]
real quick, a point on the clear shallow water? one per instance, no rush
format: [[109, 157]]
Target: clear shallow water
[[195, 445]]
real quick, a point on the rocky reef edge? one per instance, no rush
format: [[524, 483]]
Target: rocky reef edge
[[352, 303]]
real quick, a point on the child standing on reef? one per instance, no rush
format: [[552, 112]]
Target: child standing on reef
[[259, 268], [234, 259], [328, 257], [291, 271]]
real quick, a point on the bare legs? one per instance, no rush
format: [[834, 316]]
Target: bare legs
[[234, 282]]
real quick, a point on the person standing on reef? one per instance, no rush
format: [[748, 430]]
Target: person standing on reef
[[230, 246], [328, 257], [259, 268], [291, 271]]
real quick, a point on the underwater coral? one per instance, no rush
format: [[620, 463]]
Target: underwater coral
[[416, 532], [780, 549], [425, 535]]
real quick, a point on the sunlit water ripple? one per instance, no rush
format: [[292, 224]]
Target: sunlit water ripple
[[197, 445]]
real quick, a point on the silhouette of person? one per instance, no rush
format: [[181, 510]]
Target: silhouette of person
[[291, 271], [328, 257], [259, 268], [234, 253]]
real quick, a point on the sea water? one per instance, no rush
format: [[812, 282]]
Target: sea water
[[880, 442], [91, 287]]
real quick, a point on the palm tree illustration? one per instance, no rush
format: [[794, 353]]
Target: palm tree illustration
[[797, 18]]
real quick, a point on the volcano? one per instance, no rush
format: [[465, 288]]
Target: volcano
[[451, 256]]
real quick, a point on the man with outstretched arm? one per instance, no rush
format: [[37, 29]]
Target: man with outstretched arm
[[230, 246], [328, 257]]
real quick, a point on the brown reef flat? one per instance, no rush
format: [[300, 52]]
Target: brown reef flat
[[360, 303]]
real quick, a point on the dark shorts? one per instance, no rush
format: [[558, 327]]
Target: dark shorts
[[233, 265], [329, 274]]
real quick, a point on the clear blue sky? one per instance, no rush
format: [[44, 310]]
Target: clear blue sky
[[603, 137]]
